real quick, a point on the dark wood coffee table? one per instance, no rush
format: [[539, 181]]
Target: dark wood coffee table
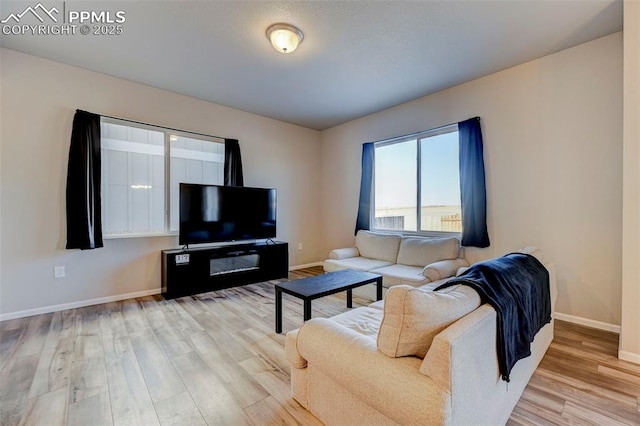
[[318, 286]]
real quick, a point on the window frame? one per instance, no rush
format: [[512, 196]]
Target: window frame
[[451, 128], [168, 133]]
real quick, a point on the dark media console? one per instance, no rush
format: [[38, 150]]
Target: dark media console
[[202, 269]]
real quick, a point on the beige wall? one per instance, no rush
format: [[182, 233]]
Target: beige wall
[[553, 155], [553, 150], [39, 98], [630, 335]]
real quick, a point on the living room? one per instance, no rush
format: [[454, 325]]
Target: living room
[[561, 155]]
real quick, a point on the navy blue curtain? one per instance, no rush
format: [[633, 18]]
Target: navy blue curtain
[[473, 191], [366, 188], [84, 210], [232, 163]]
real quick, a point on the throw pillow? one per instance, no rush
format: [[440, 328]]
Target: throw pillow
[[413, 317]]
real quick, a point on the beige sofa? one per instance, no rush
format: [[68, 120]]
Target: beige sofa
[[417, 358], [399, 259]]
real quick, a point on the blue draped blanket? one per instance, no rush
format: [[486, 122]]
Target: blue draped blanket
[[517, 286]]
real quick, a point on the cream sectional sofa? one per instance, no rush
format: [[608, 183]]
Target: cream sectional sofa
[[399, 259], [418, 357]]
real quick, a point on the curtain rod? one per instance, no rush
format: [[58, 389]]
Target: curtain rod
[[161, 127], [422, 131]]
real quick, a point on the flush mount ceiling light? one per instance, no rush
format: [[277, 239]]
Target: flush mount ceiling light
[[285, 38]]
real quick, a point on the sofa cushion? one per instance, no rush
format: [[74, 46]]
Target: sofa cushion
[[378, 246], [413, 317], [377, 305], [401, 274], [364, 320], [462, 270], [420, 251], [357, 263]]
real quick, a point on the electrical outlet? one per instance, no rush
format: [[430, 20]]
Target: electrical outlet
[[59, 272], [182, 259], [299, 246]]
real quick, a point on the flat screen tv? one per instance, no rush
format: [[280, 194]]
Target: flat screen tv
[[213, 213]]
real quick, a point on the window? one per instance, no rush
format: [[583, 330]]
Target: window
[[142, 167], [423, 171]]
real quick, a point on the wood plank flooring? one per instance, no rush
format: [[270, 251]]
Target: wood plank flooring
[[214, 359]]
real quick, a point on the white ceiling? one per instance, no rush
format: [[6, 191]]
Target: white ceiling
[[357, 57]]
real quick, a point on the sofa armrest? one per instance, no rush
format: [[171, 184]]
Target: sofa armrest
[[291, 350], [471, 335], [344, 253], [353, 361], [469, 342], [443, 269]]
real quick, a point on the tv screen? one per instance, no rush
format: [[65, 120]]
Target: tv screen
[[213, 213]]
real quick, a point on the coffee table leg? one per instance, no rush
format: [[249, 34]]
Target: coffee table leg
[[379, 289], [349, 299], [307, 310], [278, 311]]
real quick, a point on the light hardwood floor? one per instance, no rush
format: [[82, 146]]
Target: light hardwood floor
[[214, 359]]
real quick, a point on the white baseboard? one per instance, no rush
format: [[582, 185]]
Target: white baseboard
[[79, 304], [99, 300], [306, 265], [587, 322], [629, 356]]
